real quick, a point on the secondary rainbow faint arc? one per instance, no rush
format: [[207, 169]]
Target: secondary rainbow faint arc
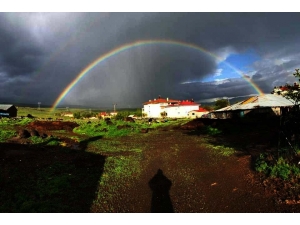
[[143, 43]]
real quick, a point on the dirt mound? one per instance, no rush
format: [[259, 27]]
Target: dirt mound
[[52, 125], [193, 125]]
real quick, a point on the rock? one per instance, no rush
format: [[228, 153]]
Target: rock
[[144, 130], [120, 127], [23, 134], [30, 116], [34, 133], [44, 135], [108, 121], [129, 119]]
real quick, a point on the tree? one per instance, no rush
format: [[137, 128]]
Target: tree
[[290, 119], [208, 107], [221, 103], [138, 113], [122, 115], [77, 115], [290, 92]]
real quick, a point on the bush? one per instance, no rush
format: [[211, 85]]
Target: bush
[[281, 169], [79, 115], [212, 131], [261, 165], [122, 114], [6, 134]]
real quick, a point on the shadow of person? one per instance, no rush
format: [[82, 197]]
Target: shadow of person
[[160, 186]]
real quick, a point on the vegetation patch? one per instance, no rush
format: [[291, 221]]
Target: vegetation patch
[[212, 130], [280, 169], [218, 149], [6, 134]]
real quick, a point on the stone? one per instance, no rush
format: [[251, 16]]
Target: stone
[[23, 134]]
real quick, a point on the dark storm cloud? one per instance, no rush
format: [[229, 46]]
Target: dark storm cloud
[[19, 54], [41, 53]]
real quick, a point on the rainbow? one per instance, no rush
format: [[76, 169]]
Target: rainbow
[[144, 43]]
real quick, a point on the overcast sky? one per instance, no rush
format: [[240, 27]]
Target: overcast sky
[[42, 53]]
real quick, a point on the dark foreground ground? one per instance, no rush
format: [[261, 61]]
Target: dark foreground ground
[[181, 172]]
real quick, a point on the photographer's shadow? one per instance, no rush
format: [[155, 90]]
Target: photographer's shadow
[[160, 186]]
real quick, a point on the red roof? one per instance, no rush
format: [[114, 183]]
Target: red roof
[[284, 88], [161, 100], [187, 102], [200, 110]]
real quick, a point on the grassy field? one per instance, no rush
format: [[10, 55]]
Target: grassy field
[[46, 182], [45, 112], [97, 163]]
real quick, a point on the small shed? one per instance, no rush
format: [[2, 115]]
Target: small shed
[[8, 110], [197, 113]]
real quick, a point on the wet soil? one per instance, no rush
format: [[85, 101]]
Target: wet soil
[[201, 181]]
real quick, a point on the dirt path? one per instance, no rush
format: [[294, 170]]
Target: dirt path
[[201, 181], [177, 172]]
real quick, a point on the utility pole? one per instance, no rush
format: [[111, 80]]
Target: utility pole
[[115, 108], [39, 105]]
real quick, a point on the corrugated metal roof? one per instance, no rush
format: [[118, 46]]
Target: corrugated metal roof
[[266, 100], [5, 107], [250, 100]]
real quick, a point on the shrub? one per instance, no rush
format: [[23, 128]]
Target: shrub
[[6, 134], [261, 165], [122, 114], [281, 169], [212, 131]]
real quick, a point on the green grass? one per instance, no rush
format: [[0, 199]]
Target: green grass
[[46, 112], [99, 127], [218, 149], [6, 134], [48, 189], [6, 122], [281, 168], [47, 141], [212, 131], [119, 174]]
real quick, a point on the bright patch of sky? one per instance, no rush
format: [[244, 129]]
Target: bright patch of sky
[[233, 65]]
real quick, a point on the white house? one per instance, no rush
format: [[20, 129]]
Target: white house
[[154, 108], [197, 113], [181, 109], [170, 107]]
